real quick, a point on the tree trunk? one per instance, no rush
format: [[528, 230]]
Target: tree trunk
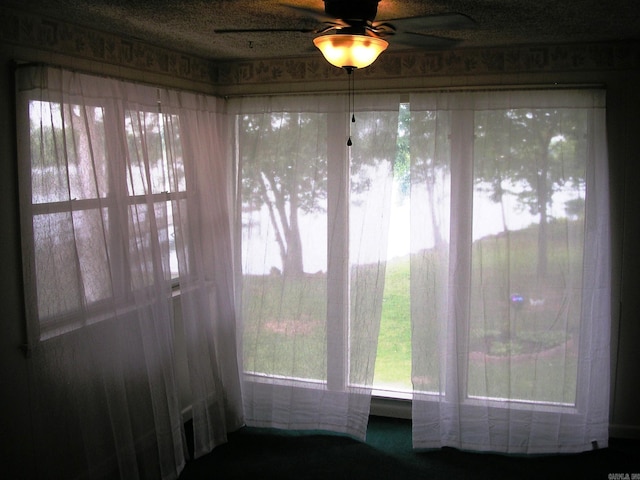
[[543, 201], [435, 224], [292, 262], [286, 226]]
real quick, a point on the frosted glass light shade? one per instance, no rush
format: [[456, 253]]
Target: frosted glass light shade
[[350, 51]]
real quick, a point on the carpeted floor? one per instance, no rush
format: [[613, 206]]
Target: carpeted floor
[[253, 453]]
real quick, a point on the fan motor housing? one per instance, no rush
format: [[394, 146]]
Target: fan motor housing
[[353, 10]]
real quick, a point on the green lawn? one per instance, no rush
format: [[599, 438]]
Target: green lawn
[[526, 353], [393, 362]]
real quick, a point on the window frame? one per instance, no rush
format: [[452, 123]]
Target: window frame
[[40, 329], [387, 401]]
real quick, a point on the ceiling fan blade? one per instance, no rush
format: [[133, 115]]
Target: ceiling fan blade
[[442, 21], [318, 15], [264, 30], [423, 41], [325, 22]]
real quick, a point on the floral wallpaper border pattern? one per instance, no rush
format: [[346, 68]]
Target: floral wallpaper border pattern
[[32, 30], [471, 61]]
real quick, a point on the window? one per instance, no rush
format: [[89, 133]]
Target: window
[[484, 258], [156, 168], [509, 186], [83, 194], [284, 243], [309, 309], [393, 358], [527, 252], [124, 190]]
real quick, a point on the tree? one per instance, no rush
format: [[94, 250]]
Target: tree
[[531, 154], [430, 155], [284, 168], [402, 164], [288, 177]]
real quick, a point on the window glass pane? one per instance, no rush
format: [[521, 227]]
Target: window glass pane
[[372, 159], [68, 159], [284, 243], [58, 283], [149, 235], [393, 359], [155, 153], [429, 236], [92, 237], [172, 170], [179, 260], [156, 166], [528, 222], [165, 235]]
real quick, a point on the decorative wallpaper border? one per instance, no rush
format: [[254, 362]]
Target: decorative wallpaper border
[[35, 31], [32, 30], [471, 61]]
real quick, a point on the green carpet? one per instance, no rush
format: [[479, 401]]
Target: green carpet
[[254, 453]]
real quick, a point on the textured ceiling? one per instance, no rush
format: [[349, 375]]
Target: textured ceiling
[[190, 25]]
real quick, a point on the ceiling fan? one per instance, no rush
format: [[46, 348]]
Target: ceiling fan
[[357, 19], [350, 37]]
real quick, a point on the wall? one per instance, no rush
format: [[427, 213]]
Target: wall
[[26, 38], [616, 67], [14, 397]]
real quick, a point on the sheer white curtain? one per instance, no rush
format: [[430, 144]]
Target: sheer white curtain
[[124, 191], [313, 216], [510, 271]]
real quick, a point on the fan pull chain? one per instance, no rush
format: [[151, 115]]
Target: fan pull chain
[[350, 100]]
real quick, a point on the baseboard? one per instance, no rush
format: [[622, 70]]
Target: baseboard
[[401, 408], [390, 407], [624, 431]]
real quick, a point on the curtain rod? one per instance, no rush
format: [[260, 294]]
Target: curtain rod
[[18, 64], [399, 90], [408, 90]]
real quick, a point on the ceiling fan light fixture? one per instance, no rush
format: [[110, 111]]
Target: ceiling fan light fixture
[[350, 51]]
